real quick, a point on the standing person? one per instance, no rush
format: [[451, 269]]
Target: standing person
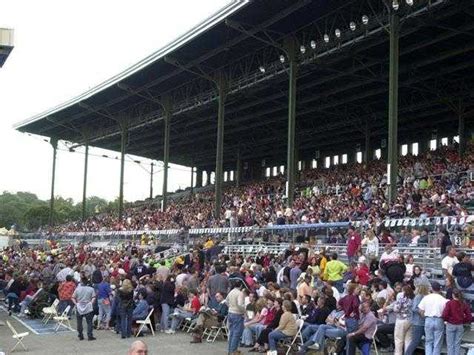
[[448, 262], [445, 243], [236, 303], [350, 305], [353, 244], [334, 272], [84, 298], [166, 289], [402, 307], [456, 314], [103, 301], [65, 292], [372, 243], [431, 307], [125, 308], [417, 322]]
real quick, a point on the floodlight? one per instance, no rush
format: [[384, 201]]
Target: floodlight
[[313, 44], [337, 32], [395, 5], [302, 49], [282, 58], [365, 19], [262, 69], [409, 2], [326, 38], [352, 26]]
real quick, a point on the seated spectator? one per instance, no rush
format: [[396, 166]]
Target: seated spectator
[[286, 328], [462, 272], [363, 336], [141, 309], [210, 317], [190, 310]]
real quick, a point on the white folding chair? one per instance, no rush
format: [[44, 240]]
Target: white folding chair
[[51, 311], [145, 322], [62, 319], [298, 336], [213, 332], [188, 324], [374, 343], [18, 336]]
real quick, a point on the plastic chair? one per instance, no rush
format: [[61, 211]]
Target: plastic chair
[[18, 336], [145, 322]]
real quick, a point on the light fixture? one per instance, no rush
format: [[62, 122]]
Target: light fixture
[[262, 69], [282, 58], [352, 26], [410, 2], [313, 44], [326, 38], [302, 49], [337, 32], [365, 19], [395, 5]]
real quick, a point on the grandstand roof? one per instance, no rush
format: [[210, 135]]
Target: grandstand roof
[[342, 85]]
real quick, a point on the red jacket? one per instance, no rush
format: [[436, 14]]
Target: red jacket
[[456, 312]]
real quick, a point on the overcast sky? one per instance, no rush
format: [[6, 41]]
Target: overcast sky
[[63, 48]]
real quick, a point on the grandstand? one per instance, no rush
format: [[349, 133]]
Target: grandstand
[[342, 61], [326, 115]]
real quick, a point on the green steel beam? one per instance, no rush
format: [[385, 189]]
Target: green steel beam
[[393, 107], [220, 148], [462, 134], [123, 143], [151, 179], [166, 150], [291, 171], [54, 143], [84, 187]]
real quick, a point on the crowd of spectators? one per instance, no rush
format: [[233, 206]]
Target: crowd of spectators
[[343, 305], [434, 183]]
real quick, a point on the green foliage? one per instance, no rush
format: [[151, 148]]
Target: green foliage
[[28, 213]]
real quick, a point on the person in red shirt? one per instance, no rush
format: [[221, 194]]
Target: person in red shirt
[[65, 292], [362, 271], [190, 310], [353, 244], [456, 313]]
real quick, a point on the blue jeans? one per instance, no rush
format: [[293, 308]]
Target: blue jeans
[[454, 333], [178, 317], [324, 331], [274, 337], [351, 326], [417, 332], [309, 330], [247, 336], [13, 302], [104, 312], [361, 342], [236, 328], [126, 322], [434, 329], [165, 313], [339, 285]]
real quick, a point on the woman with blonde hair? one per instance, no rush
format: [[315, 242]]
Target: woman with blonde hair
[[125, 296], [417, 321], [372, 243]]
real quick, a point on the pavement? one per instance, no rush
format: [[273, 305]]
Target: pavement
[[67, 343]]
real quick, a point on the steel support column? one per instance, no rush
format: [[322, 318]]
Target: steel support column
[[291, 122], [219, 149], [84, 187], [123, 143], [192, 179], [238, 169], [367, 155], [462, 134], [198, 177], [151, 179], [393, 108], [166, 152], [54, 143]]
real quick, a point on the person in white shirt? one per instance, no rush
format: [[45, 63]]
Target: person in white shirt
[[431, 307], [449, 261]]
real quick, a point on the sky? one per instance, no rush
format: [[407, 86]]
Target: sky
[[63, 48]]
